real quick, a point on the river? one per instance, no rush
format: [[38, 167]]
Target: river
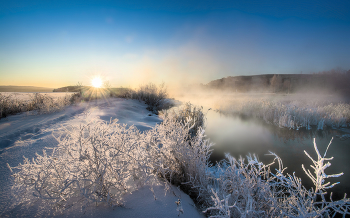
[[240, 136]]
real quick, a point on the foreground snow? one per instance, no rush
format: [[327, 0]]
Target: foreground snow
[[97, 163], [25, 134], [145, 203]]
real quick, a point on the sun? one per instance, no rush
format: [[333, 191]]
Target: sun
[[96, 82]]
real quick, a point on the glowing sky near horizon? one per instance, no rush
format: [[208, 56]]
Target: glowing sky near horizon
[[60, 43]]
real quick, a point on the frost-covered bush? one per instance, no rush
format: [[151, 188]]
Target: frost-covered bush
[[10, 105], [177, 156], [187, 113], [152, 95], [98, 162], [242, 188], [294, 115], [46, 104], [41, 103]]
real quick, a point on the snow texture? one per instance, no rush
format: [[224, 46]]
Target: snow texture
[[79, 177], [26, 134]]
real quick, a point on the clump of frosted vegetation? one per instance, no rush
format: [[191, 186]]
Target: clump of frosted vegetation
[[98, 162], [9, 105], [41, 103], [294, 115], [187, 113], [92, 163], [248, 188], [154, 96]]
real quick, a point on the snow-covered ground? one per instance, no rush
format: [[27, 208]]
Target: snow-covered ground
[[26, 134]]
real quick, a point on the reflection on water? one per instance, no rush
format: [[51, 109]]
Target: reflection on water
[[240, 136]]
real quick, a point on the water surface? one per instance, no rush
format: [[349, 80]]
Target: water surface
[[241, 136]]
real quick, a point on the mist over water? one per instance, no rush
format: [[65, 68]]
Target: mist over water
[[241, 135]]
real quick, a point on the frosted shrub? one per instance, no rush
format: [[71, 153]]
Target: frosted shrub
[[188, 113], [240, 188], [98, 162], [40, 103], [248, 189], [93, 163], [300, 202], [46, 104], [152, 95], [176, 156], [294, 116], [10, 105]]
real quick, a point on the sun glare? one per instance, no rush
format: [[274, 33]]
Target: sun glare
[[96, 82]]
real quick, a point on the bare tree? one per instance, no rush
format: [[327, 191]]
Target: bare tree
[[276, 82]]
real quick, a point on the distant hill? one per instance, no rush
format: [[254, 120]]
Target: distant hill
[[24, 89], [71, 88], [285, 83]]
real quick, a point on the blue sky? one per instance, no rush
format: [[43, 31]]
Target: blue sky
[[59, 43]]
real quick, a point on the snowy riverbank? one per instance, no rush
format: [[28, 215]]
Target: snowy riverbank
[[25, 134]]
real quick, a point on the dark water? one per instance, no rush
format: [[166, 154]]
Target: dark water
[[241, 136]]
